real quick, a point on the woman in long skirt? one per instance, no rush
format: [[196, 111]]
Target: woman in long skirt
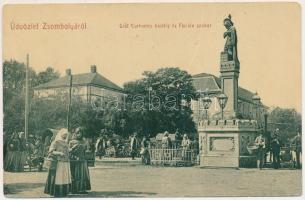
[[79, 166], [12, 159], [144, 151], [59, 179], [23, 152]]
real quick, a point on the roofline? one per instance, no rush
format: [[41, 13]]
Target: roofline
[[202, 76], [209, 75], [109, 88], [90, 84]]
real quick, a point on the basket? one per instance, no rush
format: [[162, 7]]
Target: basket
[[50, 163]]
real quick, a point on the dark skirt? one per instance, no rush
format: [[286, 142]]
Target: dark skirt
[[12, 161], [80, 176], [56, 190], [23, 160]]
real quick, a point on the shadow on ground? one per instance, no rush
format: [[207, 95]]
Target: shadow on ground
[[116, 194], [15, 188]]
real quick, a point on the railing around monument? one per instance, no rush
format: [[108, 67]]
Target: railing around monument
[[173, 157]]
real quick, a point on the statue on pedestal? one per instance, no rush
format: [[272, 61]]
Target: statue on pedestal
[[231, 43]]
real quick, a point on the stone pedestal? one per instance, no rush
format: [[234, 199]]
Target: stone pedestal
[[223, 143], [229, 71]]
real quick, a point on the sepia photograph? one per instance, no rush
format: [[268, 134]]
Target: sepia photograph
[[152, 100]]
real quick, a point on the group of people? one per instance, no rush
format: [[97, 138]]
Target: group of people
[[166, 143], [106, 145], [68, 170], [275, 150], [18, 152], [135, 148], [15, 153]]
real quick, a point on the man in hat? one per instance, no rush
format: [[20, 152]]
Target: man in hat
[[276, 149], [231, 43], [178, 138]]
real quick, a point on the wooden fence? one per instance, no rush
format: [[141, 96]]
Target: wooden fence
[[173, 157]]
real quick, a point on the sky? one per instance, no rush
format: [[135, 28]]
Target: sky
[[269, 42]]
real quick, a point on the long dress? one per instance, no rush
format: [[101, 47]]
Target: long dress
[[79, 167], [59, 180], [12, 159], [144, 152], [23, 154]]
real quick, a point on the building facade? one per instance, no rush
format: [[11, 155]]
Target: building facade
[[91, 88]]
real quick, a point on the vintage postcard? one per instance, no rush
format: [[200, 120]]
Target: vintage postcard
[[152, 100]]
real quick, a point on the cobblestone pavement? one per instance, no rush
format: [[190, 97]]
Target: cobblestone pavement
[[148, 181]]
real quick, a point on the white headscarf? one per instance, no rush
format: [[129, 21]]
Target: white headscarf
[[60, 133]]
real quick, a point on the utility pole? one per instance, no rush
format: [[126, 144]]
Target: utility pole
[[26, 117], [69, 106]]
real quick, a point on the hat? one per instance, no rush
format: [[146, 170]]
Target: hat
[[228, 19]]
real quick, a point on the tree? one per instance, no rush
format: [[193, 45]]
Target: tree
[[46, 76], [14, 80], [288, 121], [155, 102], [14, 92], [52, 113]]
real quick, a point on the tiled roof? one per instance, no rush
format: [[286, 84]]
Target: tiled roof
[[203, 81], [81, 79], [245, 94], [213, 83]]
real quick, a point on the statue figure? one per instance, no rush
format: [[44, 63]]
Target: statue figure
[[231, 43]]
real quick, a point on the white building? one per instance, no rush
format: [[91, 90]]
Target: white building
[[90, 87]]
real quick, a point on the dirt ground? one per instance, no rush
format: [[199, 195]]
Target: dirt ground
[[148, 181]]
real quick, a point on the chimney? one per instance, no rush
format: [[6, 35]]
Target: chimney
[[93, 68], [68, 72]]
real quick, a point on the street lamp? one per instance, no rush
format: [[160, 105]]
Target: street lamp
[[206, 102], [256, 101], [222, 100]]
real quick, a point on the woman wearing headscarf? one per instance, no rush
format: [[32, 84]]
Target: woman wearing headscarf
[[79, 166], [59, 178], [12, 159], [23, 152]]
